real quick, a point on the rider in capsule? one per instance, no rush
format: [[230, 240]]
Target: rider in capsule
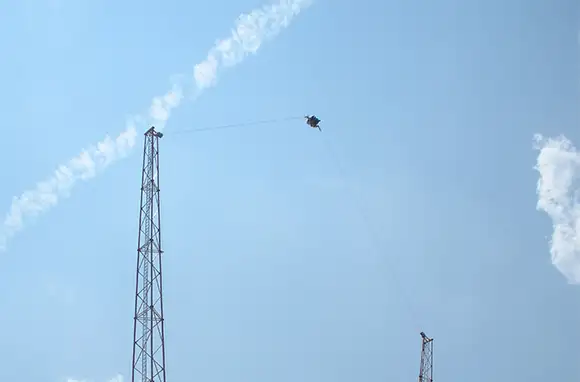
[[313, 122]]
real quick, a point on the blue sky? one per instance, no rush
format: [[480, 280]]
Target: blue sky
[[283, 262]]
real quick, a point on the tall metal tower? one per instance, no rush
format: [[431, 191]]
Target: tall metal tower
[[426, 370], [148, 331]]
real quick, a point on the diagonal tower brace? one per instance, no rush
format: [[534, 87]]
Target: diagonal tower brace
[[148, 330]]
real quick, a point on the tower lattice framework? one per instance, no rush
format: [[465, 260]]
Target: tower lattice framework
[[149, 331], [426, 369]]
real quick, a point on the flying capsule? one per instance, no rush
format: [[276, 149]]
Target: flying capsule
[[313, 122]]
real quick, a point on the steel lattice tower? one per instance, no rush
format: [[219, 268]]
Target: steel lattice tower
[[426, 370], [148, 331]]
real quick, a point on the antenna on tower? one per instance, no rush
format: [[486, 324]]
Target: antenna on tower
[[148, 331], [426, 369]]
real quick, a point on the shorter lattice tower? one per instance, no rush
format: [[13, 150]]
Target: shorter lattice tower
[[426, 369]]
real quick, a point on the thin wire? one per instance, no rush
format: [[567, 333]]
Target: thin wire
[[340, 170], [371, 233], [254, 123]]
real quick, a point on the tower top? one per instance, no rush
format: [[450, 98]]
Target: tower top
[[153, 133], [426, 369]]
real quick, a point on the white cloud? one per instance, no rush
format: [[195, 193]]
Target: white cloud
[[559, 196], [61, 293], [117, 378]]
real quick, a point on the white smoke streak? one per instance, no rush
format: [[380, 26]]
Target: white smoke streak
[[558, 195], [250, 31], [47, 193]]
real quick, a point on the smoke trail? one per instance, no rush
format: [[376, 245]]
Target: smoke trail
[[47, 193], [250, 31], [559, 196]]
